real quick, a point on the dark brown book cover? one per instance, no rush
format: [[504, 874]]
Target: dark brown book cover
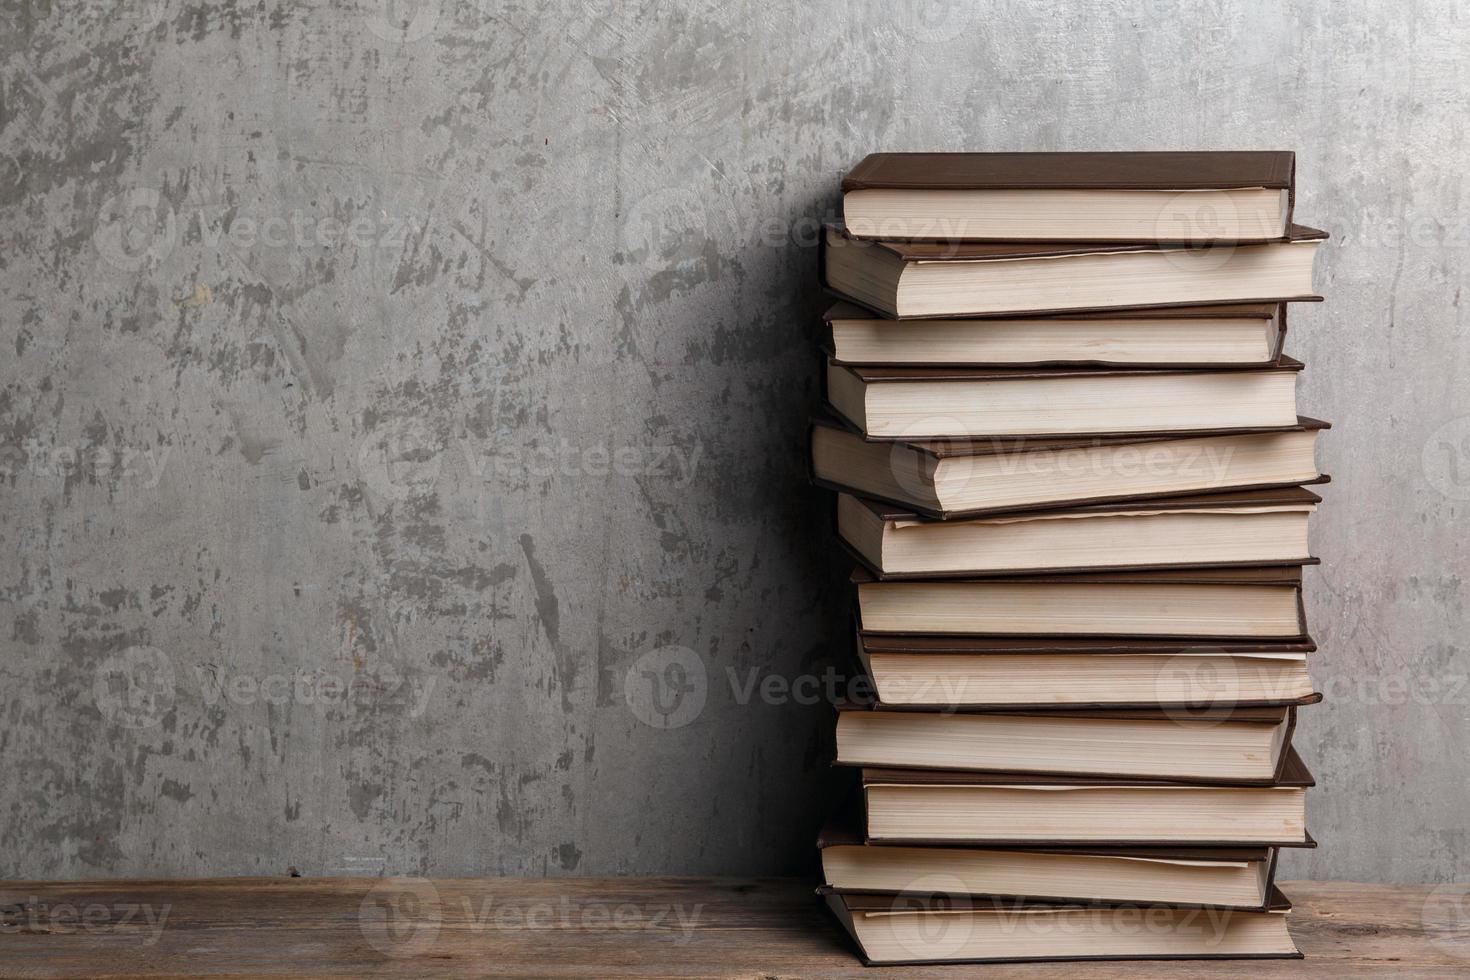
[[845, 310], [902, 643], [1164, 170], [1283, 575], [1246, 714], [888, 375]]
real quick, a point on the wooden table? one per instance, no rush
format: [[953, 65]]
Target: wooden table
[[608, 927]]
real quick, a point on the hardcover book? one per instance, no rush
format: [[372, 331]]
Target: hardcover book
[[951, 280], [1194, 679], [909, 404], [1189, 603], [1238, 878], [1155, 196], [1243, 335], [1248, 527], [926, 806], [1238, 745], [974, 477], [906, 929]]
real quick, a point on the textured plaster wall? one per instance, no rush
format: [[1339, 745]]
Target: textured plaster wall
[[401, 409]]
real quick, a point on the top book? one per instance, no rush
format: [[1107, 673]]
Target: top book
[[1165, 197]]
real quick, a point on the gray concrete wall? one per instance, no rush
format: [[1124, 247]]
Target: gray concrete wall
[[456, 355]]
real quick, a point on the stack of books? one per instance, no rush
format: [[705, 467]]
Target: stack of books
[[1070, 468]]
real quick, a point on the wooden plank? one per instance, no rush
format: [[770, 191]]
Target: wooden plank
[[606, 927]]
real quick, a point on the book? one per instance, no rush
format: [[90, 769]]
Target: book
[[1238, 878], [923, 806], [979, 672], [1238, 745], [1243, 335], [938, 403], [973, 477], [1249, 527], [907, 929], [949, 280], [1110, 196], [1205, 604]]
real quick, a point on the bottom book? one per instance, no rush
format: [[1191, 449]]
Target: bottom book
[[911, 929]]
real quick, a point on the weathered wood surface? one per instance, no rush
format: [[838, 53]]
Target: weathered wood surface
[[607, 927]]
